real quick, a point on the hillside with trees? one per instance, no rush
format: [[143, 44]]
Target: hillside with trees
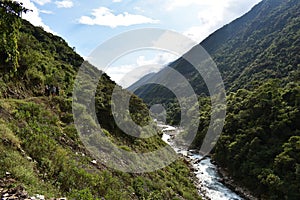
[[258, 58], [262, 44], [40, 149]]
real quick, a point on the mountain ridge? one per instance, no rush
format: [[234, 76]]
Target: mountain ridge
[[246, 42]]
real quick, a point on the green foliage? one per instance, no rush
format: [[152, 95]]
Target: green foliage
[[43, 59], [260, 140], [84, 194], [10, 24], [56, 158], [11, 160], [8, 137]]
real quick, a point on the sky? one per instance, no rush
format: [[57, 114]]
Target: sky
[[85, 24]]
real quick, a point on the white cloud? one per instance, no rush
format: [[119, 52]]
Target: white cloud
[[160, 59], [64, 4], [213, 15], [117, 1], [197, 33], [105, 17], [34, 15], [126, 74], [173, 4], [134, 75], [49, 12], [41, 2], [209, 20], [139, 9]]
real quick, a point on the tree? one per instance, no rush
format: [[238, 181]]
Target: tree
[[10, 23]]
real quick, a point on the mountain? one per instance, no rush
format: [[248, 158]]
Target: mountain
[[258, 58], [262, 44], [141, 82], [41, 151]]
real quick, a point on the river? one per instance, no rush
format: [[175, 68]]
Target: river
[[209, 180]]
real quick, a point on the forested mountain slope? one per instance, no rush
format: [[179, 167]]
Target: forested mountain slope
[[262, 44], [40, 149], [258, 57]]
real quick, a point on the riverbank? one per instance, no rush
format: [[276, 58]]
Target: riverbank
[[201, 191], [211, 181], [207, 179], [231, 183], [224, 177]]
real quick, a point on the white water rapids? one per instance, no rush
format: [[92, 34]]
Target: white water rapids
[[210, 186]]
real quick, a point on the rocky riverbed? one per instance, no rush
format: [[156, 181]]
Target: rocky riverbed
[[210, 183]]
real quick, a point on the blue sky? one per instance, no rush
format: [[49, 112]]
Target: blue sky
[[85, 24]]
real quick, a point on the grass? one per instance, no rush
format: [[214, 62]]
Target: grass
[[60, 164]]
